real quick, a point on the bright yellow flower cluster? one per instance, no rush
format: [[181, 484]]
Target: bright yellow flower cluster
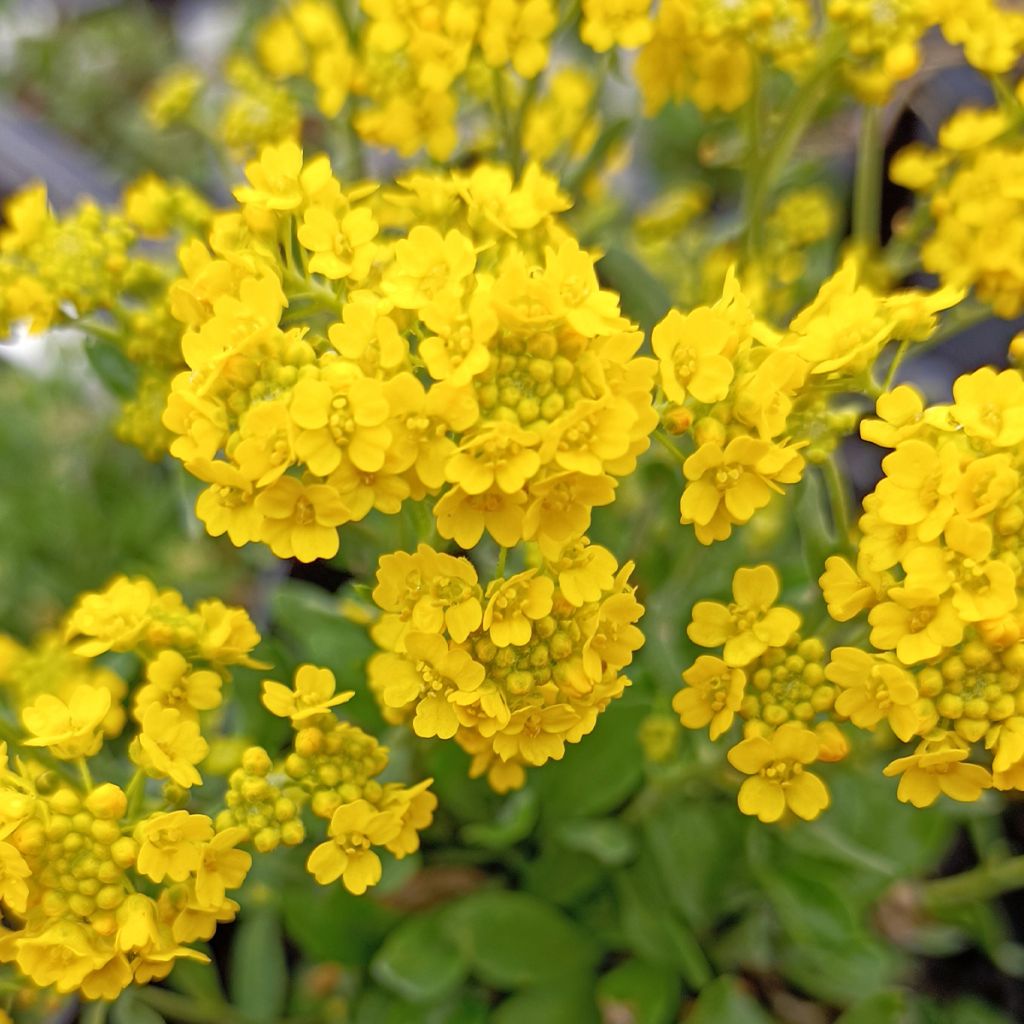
[[109, 885], [331, 767], [752, 398], [84, 268], [341, 366], [774, 680], [514, 670], [938, 572], [970, 185]]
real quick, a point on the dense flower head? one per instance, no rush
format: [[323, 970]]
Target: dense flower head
[[937, 574], [110, 882], [753, 400], [541, 660], [773, 680], [473, 356]]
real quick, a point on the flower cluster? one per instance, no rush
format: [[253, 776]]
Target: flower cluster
[[339, 369], [512, 671], [968, 182], [331, 768], [85, 268], [752, 398], [111, 884], [775, 681], [938, 572]]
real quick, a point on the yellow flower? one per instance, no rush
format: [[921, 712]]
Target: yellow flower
[[70, 730], [609, 23], [279, 181], [900, 414], [915, 625], [61, 955], [430, 592], [918, 488], [301, 520], [463, 517], [713, 695], [874, 688], [112, 619], [778, 779], [990, 406], [428, 266], [585, 571], [695, 352], [171, 844], [170, 684], [728, 485], [313, 694], [354, 828], [221, 867], [513, 605], [429, 673], [13, 873], [169, 745], [938, 765], [502, 456], [342, 245], [846, 592], [750, 624]]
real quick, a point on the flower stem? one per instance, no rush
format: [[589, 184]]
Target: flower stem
[[667, 443], [499, 569], [837, 498], [867, 182], [980, 883]]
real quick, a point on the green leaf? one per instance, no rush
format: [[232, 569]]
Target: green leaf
[[608, 840], [598, 773], [112, 367], [418, 961], [258, 981], [881, 1008], [513, 940], [652, 930], [698, 850], [569, 1002], [129, 1009], [562, 876], [640, 992], [331, 925], [725, 1001], [514, 821], [192, 978]]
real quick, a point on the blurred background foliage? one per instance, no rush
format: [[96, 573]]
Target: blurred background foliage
[[621, 886]]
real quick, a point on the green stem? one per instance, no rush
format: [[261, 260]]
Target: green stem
[[83, 770], [837, 498], [186, 1010], [102, 332], [669, 445], [135, 791], [795, 120], [752, 179], [502, 117], [977, 885], [93, 1013], [895, 365], [499, 569], [867, 182]]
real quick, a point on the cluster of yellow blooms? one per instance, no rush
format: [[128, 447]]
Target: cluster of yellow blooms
[[938, 572], [775, 680], [969, 183], [514, 670], [331, 768], [341, 369], [754, 398], [105, 884], [59, 269]]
